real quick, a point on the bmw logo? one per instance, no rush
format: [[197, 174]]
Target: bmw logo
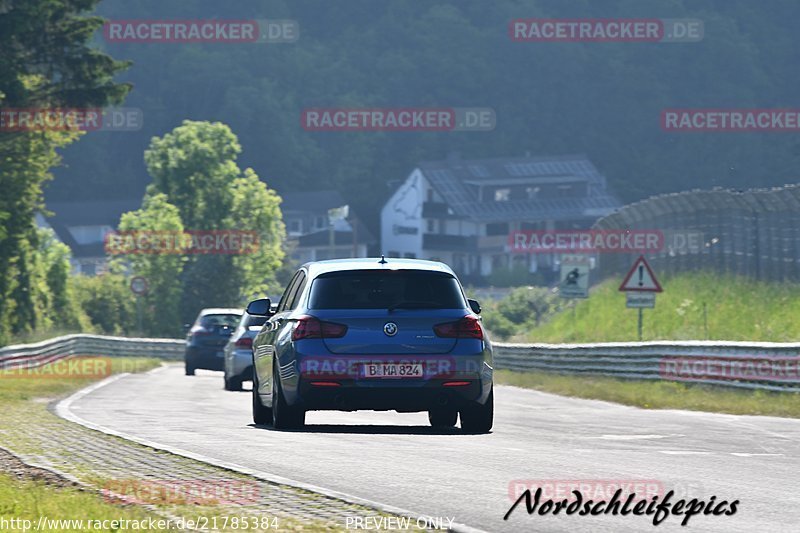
[[390, 328]]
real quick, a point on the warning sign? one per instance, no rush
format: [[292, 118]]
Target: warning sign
[[640, 278]]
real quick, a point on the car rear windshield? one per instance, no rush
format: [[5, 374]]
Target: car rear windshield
[[211, 321], [383, 289]]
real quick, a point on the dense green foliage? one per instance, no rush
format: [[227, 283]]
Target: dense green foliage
[[692, 306], [45, 61], [601, 99], [198, 186]]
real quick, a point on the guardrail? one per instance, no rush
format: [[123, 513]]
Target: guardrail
[[751, 365], [41, 353]]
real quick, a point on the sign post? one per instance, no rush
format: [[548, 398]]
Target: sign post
[[139, 287], [640, 286]]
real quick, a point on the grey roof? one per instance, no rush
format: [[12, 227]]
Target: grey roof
[[316, 268], [456, 181], [95, 213], [87, 213], [312, 201]]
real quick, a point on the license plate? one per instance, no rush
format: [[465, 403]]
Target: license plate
[[393, 370]]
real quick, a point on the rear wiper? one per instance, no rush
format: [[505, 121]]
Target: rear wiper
[[412, 303]]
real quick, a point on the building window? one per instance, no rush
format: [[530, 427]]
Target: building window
[[497, 228], [502, 195], [394, 254], [431, 226], [295, 226], [409, 255]]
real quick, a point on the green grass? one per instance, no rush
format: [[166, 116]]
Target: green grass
[[658, 394], [28, 500], [15, 388], [737, 309]]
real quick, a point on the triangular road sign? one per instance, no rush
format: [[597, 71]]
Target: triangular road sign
[[640, 278]]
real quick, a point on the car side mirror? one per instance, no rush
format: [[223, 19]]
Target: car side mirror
[[475, 306], [260, 307]]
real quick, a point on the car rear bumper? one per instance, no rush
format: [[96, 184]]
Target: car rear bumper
[[350, 396], [206, 357]]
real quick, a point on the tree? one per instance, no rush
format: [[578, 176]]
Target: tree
[[194, 167], [161, 270], [45, 61]]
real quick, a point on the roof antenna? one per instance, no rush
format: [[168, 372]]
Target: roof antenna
[[383, 260]]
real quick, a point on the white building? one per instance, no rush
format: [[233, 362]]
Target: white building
[[462, 211]]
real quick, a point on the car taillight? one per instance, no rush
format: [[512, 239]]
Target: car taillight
[[200, 332], [244, 342], [309, 327], [468, 327]]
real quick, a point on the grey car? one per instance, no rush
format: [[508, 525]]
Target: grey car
[[238, 358]]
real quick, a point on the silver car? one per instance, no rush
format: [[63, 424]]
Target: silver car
[[238, 354]]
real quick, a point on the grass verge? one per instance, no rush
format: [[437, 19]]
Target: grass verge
[[696, 305], [658, 394], [26, 501]]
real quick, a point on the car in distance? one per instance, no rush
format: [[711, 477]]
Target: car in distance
[[206, 338], [238, 352], [396, 334]]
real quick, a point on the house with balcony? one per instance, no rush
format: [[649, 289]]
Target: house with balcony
[[462, 211], [313, 234]]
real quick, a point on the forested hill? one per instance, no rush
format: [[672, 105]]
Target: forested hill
[[601, 99]]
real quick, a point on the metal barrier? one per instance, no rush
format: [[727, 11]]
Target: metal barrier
[[751, 365], [40, 353]]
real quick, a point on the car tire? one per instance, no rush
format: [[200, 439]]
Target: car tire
[[478, 418], [189, 369], [233, 383], [443, 418], [284, 416], [261, 415]]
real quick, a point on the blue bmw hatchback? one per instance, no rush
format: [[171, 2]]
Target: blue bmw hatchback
[[373, 334]]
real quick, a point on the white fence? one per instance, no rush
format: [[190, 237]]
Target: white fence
[[752, 365]]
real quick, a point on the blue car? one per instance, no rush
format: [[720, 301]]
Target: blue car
[[373, 334]]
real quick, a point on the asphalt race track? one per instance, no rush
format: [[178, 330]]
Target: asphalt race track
[[399, 460]]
